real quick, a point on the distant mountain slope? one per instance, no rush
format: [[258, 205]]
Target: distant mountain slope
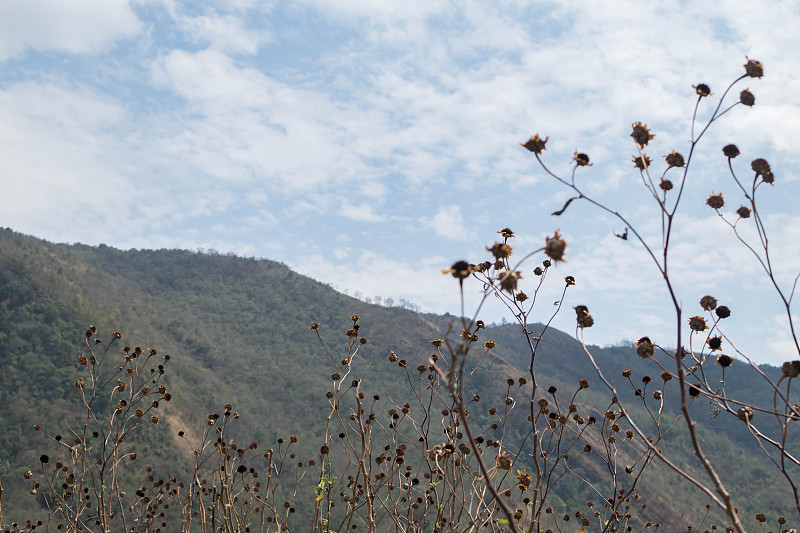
[[238, 330]]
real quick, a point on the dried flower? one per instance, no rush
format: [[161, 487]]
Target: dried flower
[[745, 413], [715, 343], [569, 280], [702, 89], [753, 68], [641, 162], [537, 271], [627, 373], [641, 134], [708, 303], [675, 159], [460, 270], [503, 462], [747, 98], [584, 318], [715, 201], [743, 212], [644, 348], [697, 323], [730, 150], [437, 342], [509, 281], [582, 160], [723, 311], [500, 250], [524, 480], [315, 325], [506, 233], [554, 247], [791, 369], [490, 345], [665, 185], [724, 360], [694, 390], [535, 144], [760, 166]]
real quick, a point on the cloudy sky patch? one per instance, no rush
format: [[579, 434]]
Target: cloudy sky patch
[[369, 145]]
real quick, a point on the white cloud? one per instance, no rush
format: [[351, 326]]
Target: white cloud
[[77, 26], [449, 223], [226, 33]]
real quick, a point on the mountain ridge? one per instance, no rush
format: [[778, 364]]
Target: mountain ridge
[[239, 328]]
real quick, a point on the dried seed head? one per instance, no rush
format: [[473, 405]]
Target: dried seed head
[[506, 233], [657, 394], [460, 270], [747, 98], [702, 89], [760, 166], [724, 360], [582, 160], [714, 343], [675, 159], [500, 250], [745, 413], [715, 201], [665, 185], [627, 373], [509, 281], [641, 162], [584, 318], [503, 462], [791, 369], [694, 390], [723, 311], [698, 323], [641, 134], [535, 144], [730, 150], [708, 303], [753, 68], [644, 348], [554, 247], [743, 212]]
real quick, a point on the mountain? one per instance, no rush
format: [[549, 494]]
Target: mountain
[[238, 331]]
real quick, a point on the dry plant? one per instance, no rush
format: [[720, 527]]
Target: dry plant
[[441, 459]]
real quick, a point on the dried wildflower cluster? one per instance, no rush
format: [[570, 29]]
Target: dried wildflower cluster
[[709, 345]]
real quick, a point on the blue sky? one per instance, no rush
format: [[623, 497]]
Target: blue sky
[[371, 144]]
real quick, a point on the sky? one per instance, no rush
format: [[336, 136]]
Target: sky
[[371, 144]]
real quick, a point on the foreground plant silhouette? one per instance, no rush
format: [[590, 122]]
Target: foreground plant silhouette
[[458, 453]]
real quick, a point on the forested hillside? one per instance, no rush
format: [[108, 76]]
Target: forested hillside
[[238, 332]]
